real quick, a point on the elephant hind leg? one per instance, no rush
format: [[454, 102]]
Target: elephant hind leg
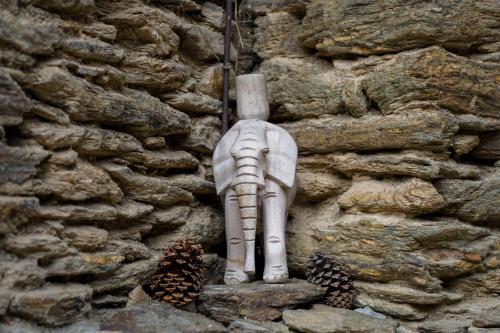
[[235, 245], [274, 217]]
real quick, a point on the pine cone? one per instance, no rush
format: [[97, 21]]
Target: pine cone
[[330, 274], [179, 277]]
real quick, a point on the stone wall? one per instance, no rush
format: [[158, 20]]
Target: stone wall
[[110, 113], [109, 116], [395, 107]]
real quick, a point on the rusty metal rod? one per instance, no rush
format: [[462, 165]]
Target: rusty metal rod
[[227, 66]]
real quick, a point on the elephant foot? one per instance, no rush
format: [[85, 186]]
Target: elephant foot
[[276, 274], [233, 276]]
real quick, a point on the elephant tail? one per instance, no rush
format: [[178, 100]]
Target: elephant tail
[[246, 194]]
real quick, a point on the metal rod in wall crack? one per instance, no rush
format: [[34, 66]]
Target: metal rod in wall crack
[[227, 66]]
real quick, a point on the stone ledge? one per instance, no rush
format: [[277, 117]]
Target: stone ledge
[[257, 300]]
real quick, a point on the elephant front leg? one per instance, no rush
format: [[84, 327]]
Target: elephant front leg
[[274, 205], [234, 239]]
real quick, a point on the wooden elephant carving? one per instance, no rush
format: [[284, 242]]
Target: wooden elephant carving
[[254, 171]]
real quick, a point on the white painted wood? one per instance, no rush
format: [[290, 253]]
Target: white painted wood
[[254, 171], [251, 96]]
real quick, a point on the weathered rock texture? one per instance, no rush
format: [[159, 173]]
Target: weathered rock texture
[[98, 148], [109, 114], [395, 107]]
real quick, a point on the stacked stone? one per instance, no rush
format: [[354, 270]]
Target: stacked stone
[[109, 113], [395, 107]]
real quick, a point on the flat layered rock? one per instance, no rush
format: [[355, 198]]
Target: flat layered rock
[[158, 317], [86, 237], [477, 124], [40, 246], [213, 15], [49, 112], [83, 181], [393, 309], [194, 103], [315, 186], [80, 182], [20, 163], [464, 143], [86, 264], [386, 248], [204, 225], [375, 27], [146, 29], [13, 101], [162, 159], [129, 249], [325, 319], [27, 33], [20, 273], [257, 300], [413, 196], [443, 326], [127, 277], [210, 82], [411, 80], [488, 148], [16, 211], [407, 163], [85, 140], [92, 49], [79, 7], [168, 218], [431, 130], [153, 73], [262, 7], [204, 136], [479, 284], [253, 326], [83, 212], [53, 305], [203, 43], [130, 210], [302, 88], [276, 35], [401, 294], [136, 112], [472, 200], [147, 189], [100, 30], [487, 319]]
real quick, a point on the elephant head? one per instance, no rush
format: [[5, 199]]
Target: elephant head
[[250, 152]]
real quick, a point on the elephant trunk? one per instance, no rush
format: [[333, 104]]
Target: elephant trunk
[[249, 178], [246, 194]]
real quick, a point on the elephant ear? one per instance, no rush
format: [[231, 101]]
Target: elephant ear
[[223, 162], [282, 156]]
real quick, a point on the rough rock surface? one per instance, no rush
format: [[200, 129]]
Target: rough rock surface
[[472, 200], [53, 305], [389, 248], [432, 130], [257, 301], [326, 319], [155, 317], [110, 112], [374, 27], [253, 326], [413, 196]]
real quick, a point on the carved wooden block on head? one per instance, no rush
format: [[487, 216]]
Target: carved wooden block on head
[[254, 171]]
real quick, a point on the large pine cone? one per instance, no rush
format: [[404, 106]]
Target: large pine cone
[[330, 274], [179, 277]]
